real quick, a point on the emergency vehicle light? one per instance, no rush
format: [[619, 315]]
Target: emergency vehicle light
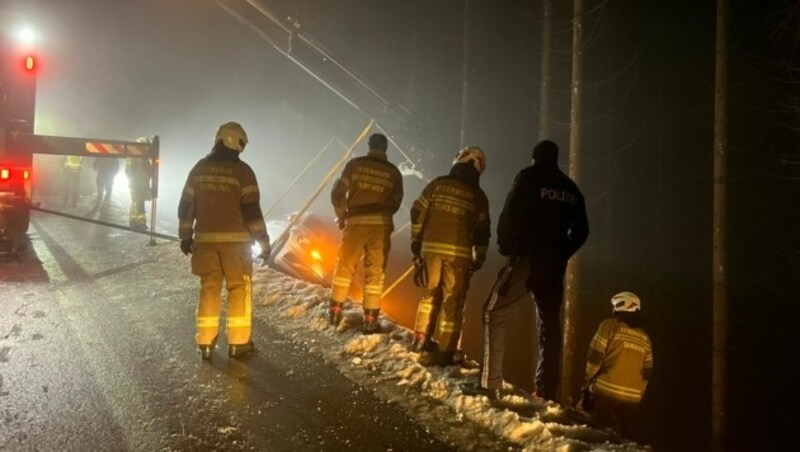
[[26, 174], [4, 174], [30, 63]]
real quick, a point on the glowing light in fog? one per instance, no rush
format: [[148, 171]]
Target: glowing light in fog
[[316, 255], [26, 35]]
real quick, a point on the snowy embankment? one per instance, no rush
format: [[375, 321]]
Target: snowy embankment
[[383, 363]]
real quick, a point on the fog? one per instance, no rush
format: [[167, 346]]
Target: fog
[[180, 68]]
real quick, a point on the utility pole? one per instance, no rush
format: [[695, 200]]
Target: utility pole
[[572, 289], [464, 76], [720, 275]]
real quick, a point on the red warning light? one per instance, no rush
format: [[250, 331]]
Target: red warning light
[[30, 63], [26, 174], [4, 174]]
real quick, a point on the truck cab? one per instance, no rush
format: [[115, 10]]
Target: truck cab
[[17, 108]]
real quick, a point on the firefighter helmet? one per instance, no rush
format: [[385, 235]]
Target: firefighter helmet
[[232, 136], [143, 140], [474, 155], [625, 302]]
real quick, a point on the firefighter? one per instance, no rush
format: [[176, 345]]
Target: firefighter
[[72, 179], [449, 237], [220, 216], [365, 198], [618, 367], [543, 223], [139, 171], [107, 169]]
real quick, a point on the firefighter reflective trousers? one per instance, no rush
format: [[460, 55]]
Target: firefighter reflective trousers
[[373, 241], [443, 299], [137, 217], [233, 264], [544, 278]]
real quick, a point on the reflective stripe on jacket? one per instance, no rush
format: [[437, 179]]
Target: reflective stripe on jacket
[[620, 361], [451, 218], [220, 201], [369, 190]]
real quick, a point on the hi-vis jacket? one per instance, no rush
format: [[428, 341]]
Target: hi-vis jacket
[[620, 361], [451, 217], [369, 191], [220, 201]]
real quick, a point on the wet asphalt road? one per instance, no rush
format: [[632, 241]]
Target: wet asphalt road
[[97, 353]]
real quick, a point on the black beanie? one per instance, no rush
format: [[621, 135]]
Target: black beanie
[[378, 141], [546, 152]]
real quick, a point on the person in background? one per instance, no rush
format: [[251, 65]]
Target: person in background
[[618, 367], [543, 223], [72, 180], [219, 218], [139, 171], [365, 198], [106, 169], [450, 232]]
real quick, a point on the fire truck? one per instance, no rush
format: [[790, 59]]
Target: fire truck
[[19, 69]]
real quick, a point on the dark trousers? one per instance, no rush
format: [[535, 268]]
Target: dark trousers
[[105, 185], [544, 278], [619, 416]]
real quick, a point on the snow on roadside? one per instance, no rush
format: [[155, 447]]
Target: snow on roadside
[[385, 358]]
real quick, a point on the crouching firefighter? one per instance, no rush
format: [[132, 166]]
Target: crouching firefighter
[[449, 237], [220, 216], [365, 198]]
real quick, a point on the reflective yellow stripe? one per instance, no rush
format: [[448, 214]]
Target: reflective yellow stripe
[[376, 220], [621, 391], [373, 289], [238, 322], [446, 249], [341, 281], [425, 308], [458, 202], [447, 327], [422, 202], [189, 191], [208, 322], [249, 189], [217, 179], [221, 237]]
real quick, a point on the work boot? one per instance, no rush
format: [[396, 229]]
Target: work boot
[[207, 350], [422, 343], [447, 358], [238, 350], [371, 325], [335, 312], [476, 390]]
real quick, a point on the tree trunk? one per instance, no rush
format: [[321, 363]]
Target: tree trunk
[[719, 271], [572, 290]]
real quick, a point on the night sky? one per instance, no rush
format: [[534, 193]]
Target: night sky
[[179, 68]]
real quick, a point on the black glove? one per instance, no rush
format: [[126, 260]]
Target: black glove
[[266, 250], [475, 265], [416, 248], [420, 273], [186, 246]]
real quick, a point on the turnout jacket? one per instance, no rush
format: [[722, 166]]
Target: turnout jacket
[[220, 201], [620, 361], [451, 216], [544, 215], [369, 191]]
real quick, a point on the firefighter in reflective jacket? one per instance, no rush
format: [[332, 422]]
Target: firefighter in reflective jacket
[[72, 179], [449, 236], [365, 198], [220, 216], [618, 367], [139, 171]]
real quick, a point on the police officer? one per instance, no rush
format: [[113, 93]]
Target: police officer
[[139, 171], [220, 216], [450, 232], [365, 198], [543, 223]]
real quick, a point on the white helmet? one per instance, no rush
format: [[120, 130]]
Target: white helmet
[[143, 140], [232, 135], [625, 302], [472, 154]]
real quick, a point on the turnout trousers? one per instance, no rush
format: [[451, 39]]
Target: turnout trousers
[[233, 264], [441, 309], [373, 242], [137, 218], [544, 279]]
